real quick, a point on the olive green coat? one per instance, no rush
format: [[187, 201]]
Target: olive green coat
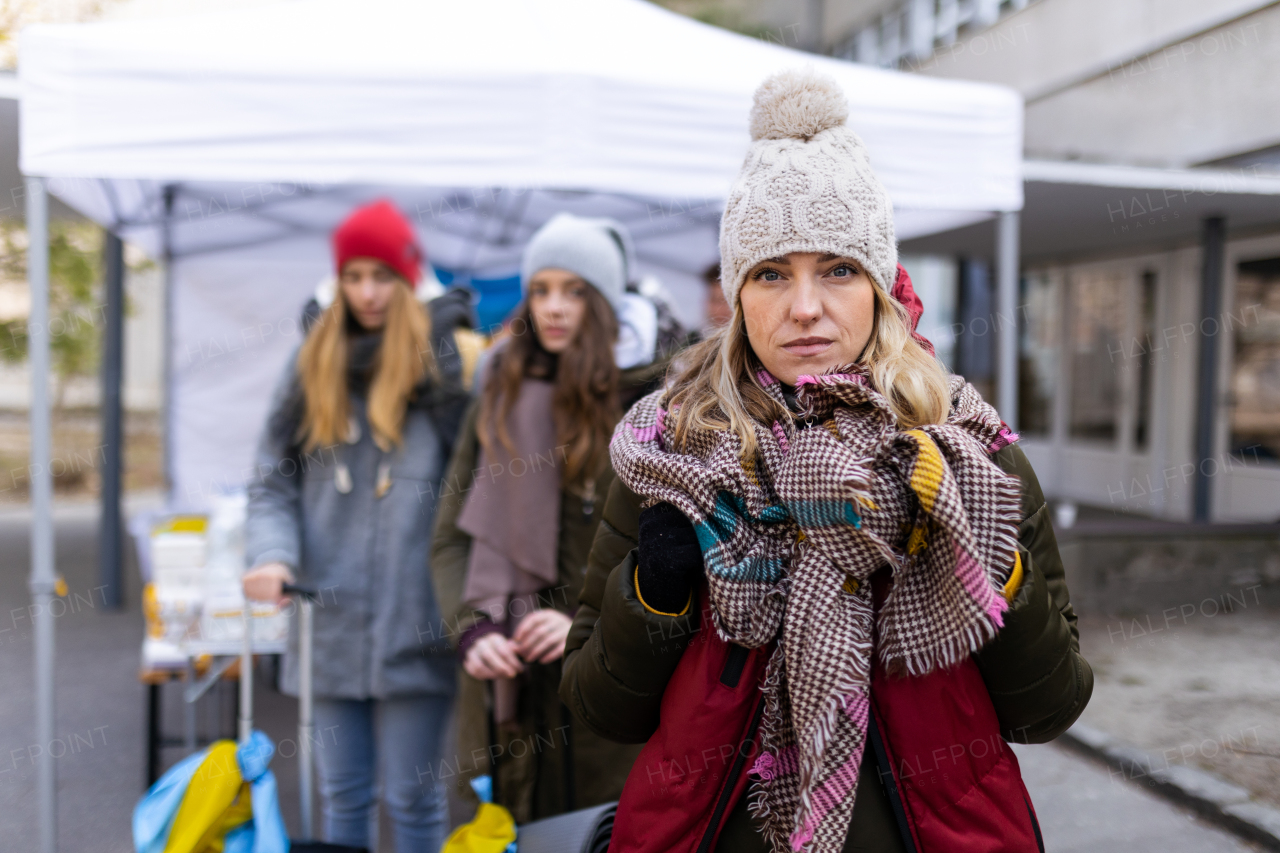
[[620, 655], [546, 762]]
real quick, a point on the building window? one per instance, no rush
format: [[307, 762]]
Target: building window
[[1039, 330], [1095, 345], [909, 31], [1255, 376], [934, 280], [975, 357]]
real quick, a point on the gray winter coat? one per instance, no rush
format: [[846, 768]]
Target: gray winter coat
[[377, 626]]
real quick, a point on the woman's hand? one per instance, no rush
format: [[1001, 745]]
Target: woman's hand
[[669, 559], [492, 656], [266, 583], [542, 635]]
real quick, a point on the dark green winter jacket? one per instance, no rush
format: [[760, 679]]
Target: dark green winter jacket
[[545, 763], [615, 673]]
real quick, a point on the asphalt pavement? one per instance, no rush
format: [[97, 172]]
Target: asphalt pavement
[[100, 731]]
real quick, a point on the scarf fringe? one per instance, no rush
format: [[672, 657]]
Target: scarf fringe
[[774, 739], [950, 653], [1005, 547]]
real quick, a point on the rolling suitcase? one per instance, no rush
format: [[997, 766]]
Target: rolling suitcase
[[200, 802], [306, 724]]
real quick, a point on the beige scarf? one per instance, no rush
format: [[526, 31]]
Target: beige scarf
[[512, 514]]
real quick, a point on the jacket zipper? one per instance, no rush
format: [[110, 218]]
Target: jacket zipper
[[890, 781], [722, 802], [1035, 825]]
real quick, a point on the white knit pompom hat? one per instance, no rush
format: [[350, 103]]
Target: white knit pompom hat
[[805, 186]]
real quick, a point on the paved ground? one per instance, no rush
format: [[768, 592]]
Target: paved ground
[[100, 701], [101, 705], [1201, 689], [1082, 806]]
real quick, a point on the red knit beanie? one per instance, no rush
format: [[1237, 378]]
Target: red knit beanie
[[379, 231]]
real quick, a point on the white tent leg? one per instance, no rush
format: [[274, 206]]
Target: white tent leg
[[1007, 253], [42, 581], [167, 402]]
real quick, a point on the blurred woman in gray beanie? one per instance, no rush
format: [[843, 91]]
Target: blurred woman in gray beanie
[[520, 509]]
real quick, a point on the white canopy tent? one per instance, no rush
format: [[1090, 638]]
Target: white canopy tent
[[230, 143]]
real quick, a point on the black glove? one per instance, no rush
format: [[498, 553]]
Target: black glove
[[670, 561]]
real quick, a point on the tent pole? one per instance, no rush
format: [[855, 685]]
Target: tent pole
[[110, 550], [1007, 317], [43, 582], [166, 249]]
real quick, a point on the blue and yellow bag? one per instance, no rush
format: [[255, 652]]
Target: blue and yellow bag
[[220, 800]]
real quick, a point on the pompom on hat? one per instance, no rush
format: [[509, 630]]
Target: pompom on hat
[[806, 186], [378, 230]]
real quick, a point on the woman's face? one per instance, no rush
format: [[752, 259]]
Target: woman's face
[[558, 303], [368, 285], [807, 313]]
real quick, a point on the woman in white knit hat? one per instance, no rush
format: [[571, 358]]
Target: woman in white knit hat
[[826, 591]]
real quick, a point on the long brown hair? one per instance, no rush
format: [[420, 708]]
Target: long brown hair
[[715, 386], [404, 358], [585, 403]]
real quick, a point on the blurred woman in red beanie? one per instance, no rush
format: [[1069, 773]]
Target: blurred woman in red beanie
[[360, 430]]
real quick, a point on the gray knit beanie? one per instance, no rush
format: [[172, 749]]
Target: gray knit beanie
[[598, 250], [805, 186]]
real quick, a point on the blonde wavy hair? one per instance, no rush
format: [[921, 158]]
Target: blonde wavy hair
[[404, 358], [715, 386]]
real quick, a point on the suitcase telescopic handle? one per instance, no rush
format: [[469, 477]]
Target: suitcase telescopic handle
[[300, 591], [306, 719]]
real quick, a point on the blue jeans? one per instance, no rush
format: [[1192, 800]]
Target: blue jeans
[[409, 734]]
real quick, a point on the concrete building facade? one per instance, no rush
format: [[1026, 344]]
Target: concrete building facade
[[1117, 336], [1149, 317]]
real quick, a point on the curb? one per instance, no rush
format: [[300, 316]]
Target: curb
[[1211, 796], [83, 509]]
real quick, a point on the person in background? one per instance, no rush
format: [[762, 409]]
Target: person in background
[[525, 488], [716, 308], [360, 430], [453, 321]]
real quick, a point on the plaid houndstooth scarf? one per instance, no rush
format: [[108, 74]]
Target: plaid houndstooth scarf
[[790, 538]]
